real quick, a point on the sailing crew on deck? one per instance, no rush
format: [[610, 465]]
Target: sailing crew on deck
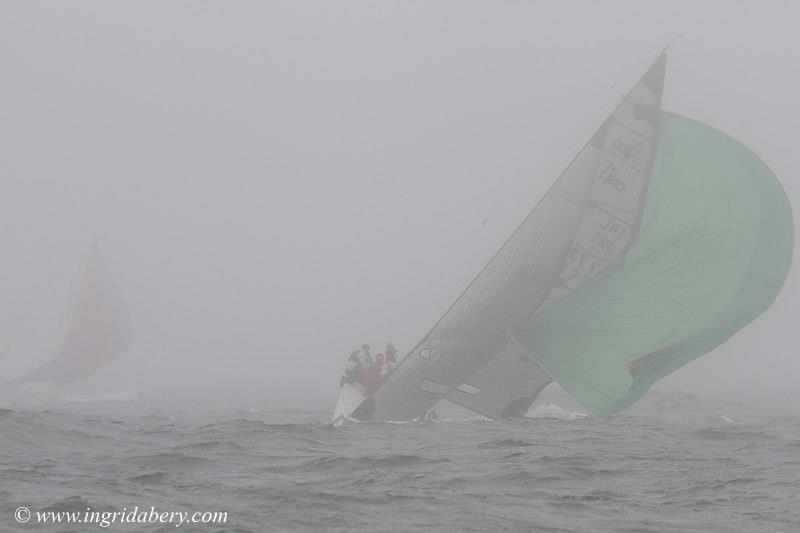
[[370, 377], [367, 354], [384, 362], [352, 370], [360, 369]]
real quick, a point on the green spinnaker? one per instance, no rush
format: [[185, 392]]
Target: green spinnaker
[[712, 253]]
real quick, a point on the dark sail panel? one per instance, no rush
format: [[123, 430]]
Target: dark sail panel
[[504, 388]]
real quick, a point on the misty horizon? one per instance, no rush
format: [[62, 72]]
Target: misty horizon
[[268, 199]]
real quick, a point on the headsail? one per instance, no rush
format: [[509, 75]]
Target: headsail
[[713, 252], [581, 225], [98, 329]]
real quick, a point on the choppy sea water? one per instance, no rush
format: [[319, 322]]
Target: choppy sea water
[[673, 462]]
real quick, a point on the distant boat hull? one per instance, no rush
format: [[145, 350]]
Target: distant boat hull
[[350, 397]]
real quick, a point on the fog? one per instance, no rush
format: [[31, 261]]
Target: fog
[[272, 184]]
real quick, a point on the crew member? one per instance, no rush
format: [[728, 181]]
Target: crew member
[[386, 361]]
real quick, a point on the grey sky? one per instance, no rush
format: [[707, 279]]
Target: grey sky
[[274, 183]]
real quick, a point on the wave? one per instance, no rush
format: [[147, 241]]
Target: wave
[[504, 443], [69, 504], [554, 412], [153, 478], [730, 432], [458, 419], [255, 426], [168, 460], [210, 446], [351, 464]]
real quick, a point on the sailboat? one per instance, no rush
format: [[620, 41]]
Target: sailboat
[[660, 240], [97, 331]]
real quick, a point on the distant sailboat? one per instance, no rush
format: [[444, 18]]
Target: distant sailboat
[[659, 241], [98, 330]]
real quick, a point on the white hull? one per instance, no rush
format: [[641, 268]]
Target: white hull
[[350, 397]]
